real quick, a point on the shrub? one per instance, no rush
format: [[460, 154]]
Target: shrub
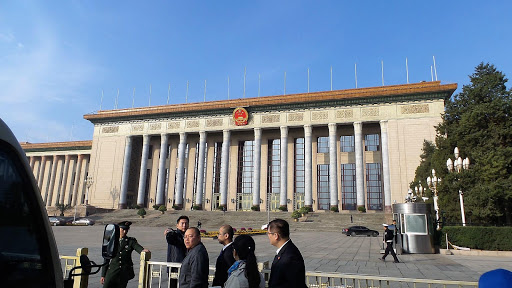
[[156, 207], [361, 209], [484, 238], [283, 208], [197, 207], [176, 207], [62, 208], [141, 212], [162, 209], [296, 214], [255, 208], [335, 209], [304, 210]]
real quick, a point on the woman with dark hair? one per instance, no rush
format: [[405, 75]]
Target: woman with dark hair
[[244, 272]]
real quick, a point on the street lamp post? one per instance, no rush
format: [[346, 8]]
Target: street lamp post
[[457, 166], [432, 183], [88, 183]]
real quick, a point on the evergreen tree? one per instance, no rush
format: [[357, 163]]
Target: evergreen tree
[[478, 121]]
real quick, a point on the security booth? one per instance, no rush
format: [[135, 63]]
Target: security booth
[[415, 227]]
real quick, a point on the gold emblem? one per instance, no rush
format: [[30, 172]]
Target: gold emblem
[[240, 116]]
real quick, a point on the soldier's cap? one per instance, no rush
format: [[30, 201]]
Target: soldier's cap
[[385, 225], [125, 225]]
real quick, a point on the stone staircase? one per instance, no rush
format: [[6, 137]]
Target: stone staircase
[[212, 220]]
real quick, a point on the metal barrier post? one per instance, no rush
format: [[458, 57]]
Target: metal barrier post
[[143, 271]]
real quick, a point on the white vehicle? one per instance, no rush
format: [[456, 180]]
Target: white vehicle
[[83, 222], [28, 254]]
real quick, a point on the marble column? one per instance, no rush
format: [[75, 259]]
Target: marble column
[[52, 181], [32, 162], [333, 166], [224, 169], [40, 175], [358, 138], [143, 167], [180, 172], [160, 187], [385, 166], [284, 167], [78, 175], [126, 173], [308, 166], [200, 169], [63, 188], [257, 167]]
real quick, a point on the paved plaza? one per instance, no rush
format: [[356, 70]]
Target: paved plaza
[[322, 251]]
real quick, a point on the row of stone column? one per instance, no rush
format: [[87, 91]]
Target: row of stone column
[[308, 197], [62, 192]]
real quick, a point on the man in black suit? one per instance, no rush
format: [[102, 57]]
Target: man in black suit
[[225, 259], [288, 268]]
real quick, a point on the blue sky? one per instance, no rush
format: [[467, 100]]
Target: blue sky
[[56, 57]]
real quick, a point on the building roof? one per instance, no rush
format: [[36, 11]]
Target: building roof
[[393, 93], [56, 146]]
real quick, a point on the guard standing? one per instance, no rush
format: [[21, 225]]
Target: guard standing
[[120, 269]]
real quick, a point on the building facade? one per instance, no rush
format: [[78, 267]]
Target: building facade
[[327, 150]]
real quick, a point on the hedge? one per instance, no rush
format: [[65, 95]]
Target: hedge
[[483, 238]]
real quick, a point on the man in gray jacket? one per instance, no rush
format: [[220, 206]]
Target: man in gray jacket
[[194, 268]]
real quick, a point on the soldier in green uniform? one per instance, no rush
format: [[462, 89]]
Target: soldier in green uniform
[[120, 269]]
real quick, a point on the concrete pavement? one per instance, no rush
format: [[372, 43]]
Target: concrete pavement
[[322, 251]]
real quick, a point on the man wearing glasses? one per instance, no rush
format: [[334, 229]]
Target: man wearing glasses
[[288, 268]]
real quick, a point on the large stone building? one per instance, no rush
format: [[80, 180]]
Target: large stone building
[[345, 149]]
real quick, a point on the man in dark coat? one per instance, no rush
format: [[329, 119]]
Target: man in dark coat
[[225, 259], [388, 238], [288, 268], [120, 268], [176, 249], [195, 267]]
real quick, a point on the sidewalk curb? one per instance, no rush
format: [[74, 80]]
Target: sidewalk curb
[[476, 253]]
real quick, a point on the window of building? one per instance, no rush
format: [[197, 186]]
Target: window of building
[[323, 186], [299, 173], [371, 142], [347, 143], [273, 173], [323, 145], [374, 186], [245, 172], [348, 187], [150, 152], [217, 160]]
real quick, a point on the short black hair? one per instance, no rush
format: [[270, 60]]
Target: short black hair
[[182, 217], [228, 229], [197, 232], [281, 227]]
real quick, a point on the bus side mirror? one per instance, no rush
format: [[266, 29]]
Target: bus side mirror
[[110, 241]]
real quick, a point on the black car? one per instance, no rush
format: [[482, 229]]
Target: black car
[[359, 230]]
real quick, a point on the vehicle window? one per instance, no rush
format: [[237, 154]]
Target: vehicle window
[[23, 256]]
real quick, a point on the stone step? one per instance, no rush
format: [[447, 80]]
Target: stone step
[[212, 220]]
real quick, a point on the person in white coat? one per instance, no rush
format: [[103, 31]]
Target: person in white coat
[[244, 272]]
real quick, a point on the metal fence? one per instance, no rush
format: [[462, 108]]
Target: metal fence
[[159, 274]]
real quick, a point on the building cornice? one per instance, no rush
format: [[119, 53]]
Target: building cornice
[[56, 146], [349, 97]]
